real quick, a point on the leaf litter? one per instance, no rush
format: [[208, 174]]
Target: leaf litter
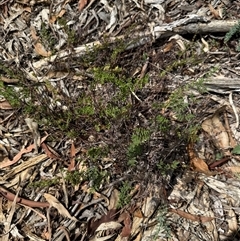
[[204, 196]]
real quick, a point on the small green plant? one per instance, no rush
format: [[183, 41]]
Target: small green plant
[[165, 168], [45, 183], [97, 153], [71, 34], [104, 100], [8, 93], [163, 123], [74, 177], [93, 174], [136, 147], [124, 195], [96, 177], [85, 106], [120, 47], [47, 37], [235, 30], [163, 229], [180, 103]]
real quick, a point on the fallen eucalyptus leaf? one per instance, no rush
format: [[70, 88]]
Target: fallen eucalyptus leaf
[[56, 204], [109, 225]]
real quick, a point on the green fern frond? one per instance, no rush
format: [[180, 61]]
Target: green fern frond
[[235, 30], [139, 137]]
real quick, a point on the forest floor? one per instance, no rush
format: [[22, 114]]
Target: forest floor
[[119, 120]]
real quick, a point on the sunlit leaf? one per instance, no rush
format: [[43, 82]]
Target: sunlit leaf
[[56, 204]]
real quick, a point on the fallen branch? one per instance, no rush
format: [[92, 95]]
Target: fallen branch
[[216, 26], [184, 26], [10, 196]]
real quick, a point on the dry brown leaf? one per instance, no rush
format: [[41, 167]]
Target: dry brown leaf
[[109, 225], [179, 40], [39, 48], [221, 133], [234, 169], [126, 231], [45, 234], [48, 152], [213, 11], [232, 220], [135, 190], [8, 162], [28, 9], [214, 127], [138, 213], [168, 47], [5, 162], [56, 204], [232, 140], [71, 166], [82, 4], [136, 225], [4, 105], [93, 225], [197, 218], [55, 17], [114, 199], [24, 165], [220, 11], [33, 33], [3, 150], [7, 225], [60, 13], [139, 237], [150, 206], [200, 165], [197, 163]]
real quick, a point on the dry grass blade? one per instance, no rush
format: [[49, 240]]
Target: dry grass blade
[[72, 164], [197, 218]]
